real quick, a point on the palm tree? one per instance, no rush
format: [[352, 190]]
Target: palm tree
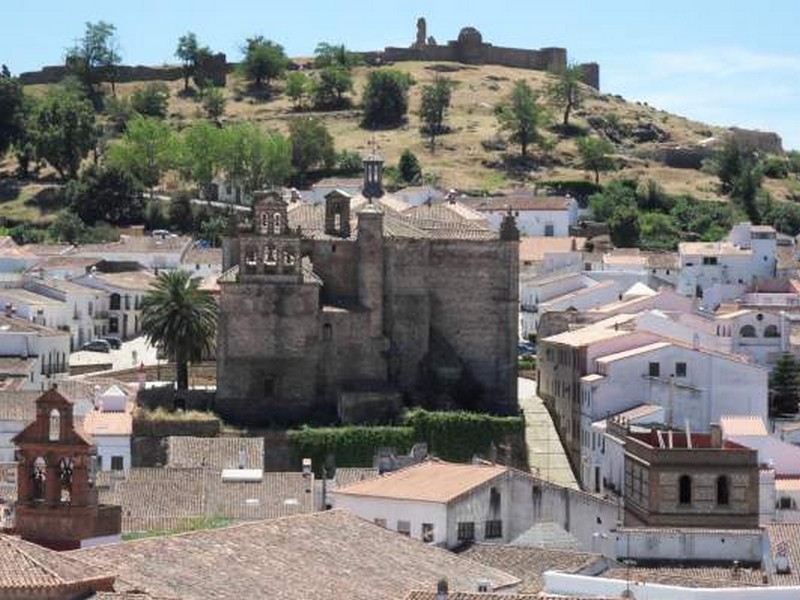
[[180, 318]]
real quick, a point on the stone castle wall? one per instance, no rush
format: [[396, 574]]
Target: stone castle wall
[[216, 67]]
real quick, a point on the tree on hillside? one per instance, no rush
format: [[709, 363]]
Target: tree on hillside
[[61, 130], [106, 194], [264, 60], [151, 100], [213, 102], [201, 149], [595, 155], [312, 144], [616, 193], [146, 151], [12, 111], [385, 98], [565, 90], [624, 227], [95, 57], [433, 107], [409, 168], [253, 158], [784, 386], [521, 116], [334, 55], [297, 87], [180, 212], [190, 54], [181, 319], [329, 87]]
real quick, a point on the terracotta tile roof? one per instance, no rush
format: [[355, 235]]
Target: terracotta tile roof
[[15, 367], [67, 286], [202, 256], [419, 595], [663, 260], [20, 325], [699, 576], [785, 537], [529, 564], [347, 475], [533, 249], [169, 498], [324, 556], [23, 296], [444, 212], [138, 244], [18, 406], [429, 481], [27, 569], [215, 453]]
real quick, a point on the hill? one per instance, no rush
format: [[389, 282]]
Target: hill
[[472, 157]]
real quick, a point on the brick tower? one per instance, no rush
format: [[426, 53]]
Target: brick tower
[[56, 501]]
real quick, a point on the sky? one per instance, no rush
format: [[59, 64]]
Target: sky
[[724, 62]]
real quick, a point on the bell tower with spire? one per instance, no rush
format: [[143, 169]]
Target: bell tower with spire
[[373, 173]]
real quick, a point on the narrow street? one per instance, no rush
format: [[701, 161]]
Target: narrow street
[[546, 456]]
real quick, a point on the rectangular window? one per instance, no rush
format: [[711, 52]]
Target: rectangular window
[[466, 531], [654, 369], [493, 529], [117, 463], [380, 522], [680, 369], [427, 532], [404, 527], [709, 260]]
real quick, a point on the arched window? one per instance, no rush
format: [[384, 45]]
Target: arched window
[[723, 490], [264, 220], [270, 256], [685, 489], [747, 331], [288, 258], [771, 331], [276, 223], [39, 475], [251, 257], [55, 426]]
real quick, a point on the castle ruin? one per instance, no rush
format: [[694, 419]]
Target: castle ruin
[[470, 48]]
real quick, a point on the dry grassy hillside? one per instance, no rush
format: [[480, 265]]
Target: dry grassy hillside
[[461, 160]]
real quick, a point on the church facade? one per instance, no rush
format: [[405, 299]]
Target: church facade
[[365, 299]]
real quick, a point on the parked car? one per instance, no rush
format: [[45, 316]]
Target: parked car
[[97, 346], [113, 341], [526, 348]]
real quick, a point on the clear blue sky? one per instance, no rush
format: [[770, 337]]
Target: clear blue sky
[[721, 61]]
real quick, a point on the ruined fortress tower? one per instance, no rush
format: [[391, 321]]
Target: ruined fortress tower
[[365, 301]]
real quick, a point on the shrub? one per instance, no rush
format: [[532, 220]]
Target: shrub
[[385, 98], [151, 100], [349, 161]]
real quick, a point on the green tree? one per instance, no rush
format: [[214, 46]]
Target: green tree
[[95, 57], [213, 228], [385, 98], [521, 116], [264, 60], [565, 90], [746, 188], [728, 163], [106, 194], [146, 151], [784, 386], [297, 87], [151, 100], [624, 227], [615, 194], [433, 107], [349, 161], [180, 212], [595, 155], [409, 168], [334, 55], [181, 319], [201, 149], [312, 144], [658, 231], [253, 158], [213, 102], [329, 87], [190, 53], [61, 129], [12, 111], [67, 227]]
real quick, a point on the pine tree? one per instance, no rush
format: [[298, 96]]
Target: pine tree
[[784, 386]]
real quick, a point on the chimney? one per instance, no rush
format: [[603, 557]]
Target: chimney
[[484, 585], [242, 458], [716, 435], [306, 467], [9, 309]]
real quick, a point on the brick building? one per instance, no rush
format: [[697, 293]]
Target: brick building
[[681, 479], [351, 303]]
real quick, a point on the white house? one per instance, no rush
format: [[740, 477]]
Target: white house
[[202, 262], [155, 252], [48, 349], [535, 215], [349, 185], [110, 424], [126, 291], [37, 308], [17, 410], [718, 271], [450, 504], [13, 257]]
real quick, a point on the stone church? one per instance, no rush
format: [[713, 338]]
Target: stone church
[[365, 302]]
